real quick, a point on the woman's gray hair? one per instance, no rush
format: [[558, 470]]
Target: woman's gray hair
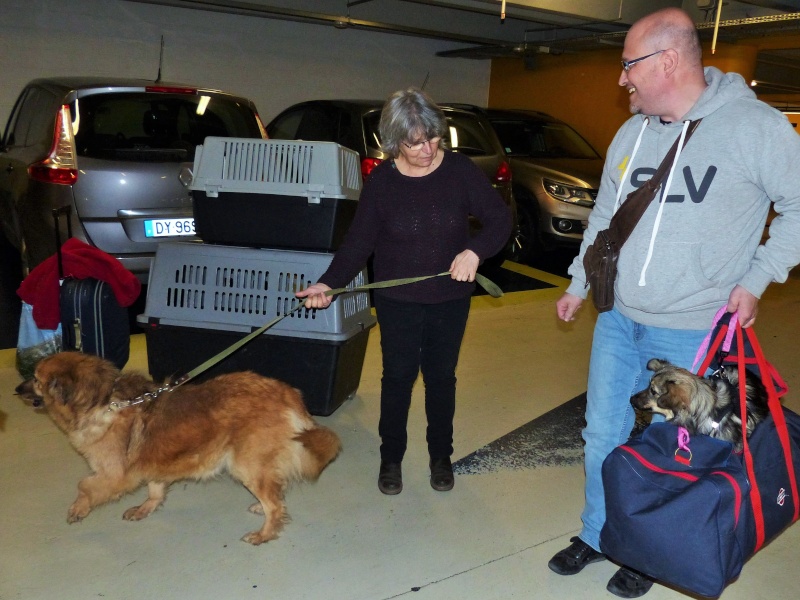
[[410, 114]]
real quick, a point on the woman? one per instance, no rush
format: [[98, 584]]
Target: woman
[[413, 218]]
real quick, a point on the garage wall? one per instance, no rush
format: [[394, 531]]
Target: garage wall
[[583, 90], [275, 63]]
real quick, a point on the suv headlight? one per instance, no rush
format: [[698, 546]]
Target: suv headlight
[[568, 193]]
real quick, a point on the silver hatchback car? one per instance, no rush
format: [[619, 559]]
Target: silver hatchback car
[[119, 152]]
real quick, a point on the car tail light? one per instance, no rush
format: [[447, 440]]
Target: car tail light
[[60, 166], [503, 174], [368, 164]]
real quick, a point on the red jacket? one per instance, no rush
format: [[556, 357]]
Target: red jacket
[[41, 287]]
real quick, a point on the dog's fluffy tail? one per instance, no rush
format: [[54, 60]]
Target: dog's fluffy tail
[[321, 446]]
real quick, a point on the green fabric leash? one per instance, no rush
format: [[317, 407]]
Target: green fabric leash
[[491, 288]]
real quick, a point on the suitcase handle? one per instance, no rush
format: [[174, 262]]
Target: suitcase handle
[[57, 212]]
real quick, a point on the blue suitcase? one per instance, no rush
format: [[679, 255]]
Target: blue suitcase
[[92, 320]]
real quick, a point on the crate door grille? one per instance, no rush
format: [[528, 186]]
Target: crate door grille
[[255, 161]]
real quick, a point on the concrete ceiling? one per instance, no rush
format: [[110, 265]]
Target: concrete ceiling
[[535, 26]]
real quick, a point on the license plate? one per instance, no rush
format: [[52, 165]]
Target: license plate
[[168, 227]]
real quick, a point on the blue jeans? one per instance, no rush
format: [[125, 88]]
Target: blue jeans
[[617, 370]]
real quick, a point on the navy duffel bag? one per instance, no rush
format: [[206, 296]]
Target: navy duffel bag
[[691, 512], [678, 516]]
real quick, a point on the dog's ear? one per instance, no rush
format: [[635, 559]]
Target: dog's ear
[[675, 395], [656, 364], [61, 388]]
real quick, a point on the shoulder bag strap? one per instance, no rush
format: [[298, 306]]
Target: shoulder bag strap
[[627, 216]]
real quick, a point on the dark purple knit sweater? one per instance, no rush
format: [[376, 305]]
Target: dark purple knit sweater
[[417, 225]]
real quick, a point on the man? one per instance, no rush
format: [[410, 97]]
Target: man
[[696, 248]]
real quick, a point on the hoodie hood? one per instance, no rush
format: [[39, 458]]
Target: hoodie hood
[[722, 89]]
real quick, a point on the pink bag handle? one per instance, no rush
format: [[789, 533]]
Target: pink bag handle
[[726, 344]]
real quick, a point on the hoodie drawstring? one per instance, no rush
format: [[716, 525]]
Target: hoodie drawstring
[[629, 163], [642, 281]]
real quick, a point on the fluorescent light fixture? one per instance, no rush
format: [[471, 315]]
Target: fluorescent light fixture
[[76, 119], [203, 104]]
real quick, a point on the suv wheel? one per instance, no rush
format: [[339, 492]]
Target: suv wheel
[[531, 246]]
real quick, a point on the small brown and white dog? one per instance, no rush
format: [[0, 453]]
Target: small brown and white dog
[[255, 428], [707, 405]]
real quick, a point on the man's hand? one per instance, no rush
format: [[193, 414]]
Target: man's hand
[[745, 304], [567, 306]]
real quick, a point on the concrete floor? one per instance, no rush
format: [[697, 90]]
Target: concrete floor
[[488, 539]]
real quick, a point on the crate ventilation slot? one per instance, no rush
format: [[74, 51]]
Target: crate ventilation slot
[[274, 163]]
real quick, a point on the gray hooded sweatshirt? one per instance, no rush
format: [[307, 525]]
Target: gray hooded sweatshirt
[[678, 268]]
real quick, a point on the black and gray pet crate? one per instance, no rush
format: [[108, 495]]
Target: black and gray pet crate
[[274, 193]]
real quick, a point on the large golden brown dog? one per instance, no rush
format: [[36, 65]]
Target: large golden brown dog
[[707, 405], [255, 428]]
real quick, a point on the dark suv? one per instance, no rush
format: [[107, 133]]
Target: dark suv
[[119, 152], [354, 124]]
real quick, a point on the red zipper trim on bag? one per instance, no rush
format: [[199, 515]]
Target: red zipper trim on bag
[[689, 477]]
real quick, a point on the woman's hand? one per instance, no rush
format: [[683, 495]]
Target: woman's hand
[[464, 266], [315, 296]]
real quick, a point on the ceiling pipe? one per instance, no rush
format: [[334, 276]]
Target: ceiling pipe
[[315, 18]]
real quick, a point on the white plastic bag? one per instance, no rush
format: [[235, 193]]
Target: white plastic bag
[[33, 344]]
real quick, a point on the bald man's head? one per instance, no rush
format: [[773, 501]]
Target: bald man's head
[[670, 28]]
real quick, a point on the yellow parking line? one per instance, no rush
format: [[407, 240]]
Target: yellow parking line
[[550, 294]]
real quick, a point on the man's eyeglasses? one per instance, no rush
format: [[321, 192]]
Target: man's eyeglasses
[[627, 64], [417, 146]]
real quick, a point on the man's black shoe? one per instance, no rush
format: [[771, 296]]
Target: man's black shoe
[[390, 478], [442, 479], [572, 559], [627, 583]]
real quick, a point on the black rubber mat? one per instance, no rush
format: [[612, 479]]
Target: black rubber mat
[[553, 439]]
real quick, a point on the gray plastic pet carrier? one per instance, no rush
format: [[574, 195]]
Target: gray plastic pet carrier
[[241, 289], [274, 193]]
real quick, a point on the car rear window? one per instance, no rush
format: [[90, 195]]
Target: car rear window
[[465, 134], [148, 127], [542, 139]]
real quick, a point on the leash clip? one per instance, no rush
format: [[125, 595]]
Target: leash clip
[[146, 397]]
